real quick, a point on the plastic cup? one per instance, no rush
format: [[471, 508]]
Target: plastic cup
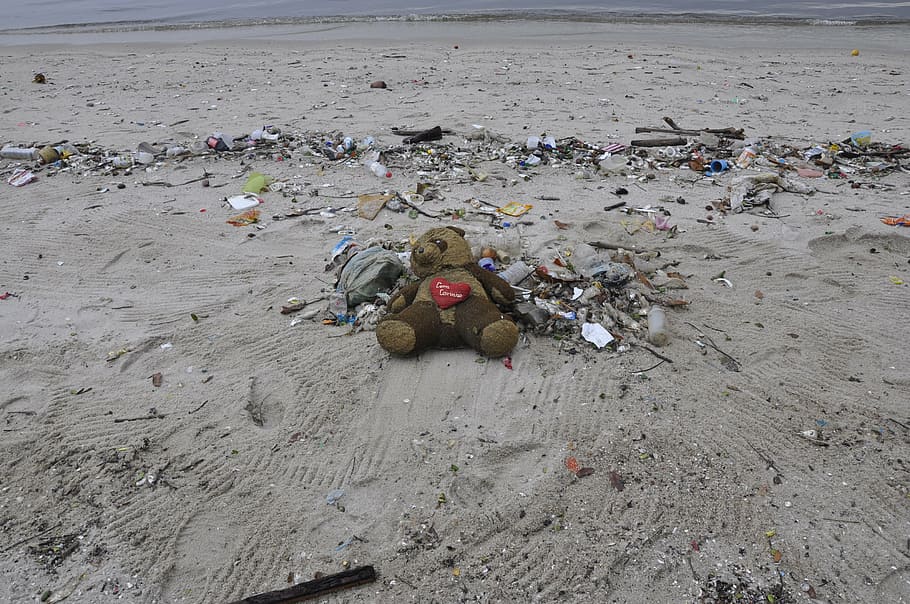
[[719, 165]]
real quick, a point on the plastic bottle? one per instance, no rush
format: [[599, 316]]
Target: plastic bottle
[[507, 244], [658, 329], [487, 264], [380, 170], [338, 305], [19, 153], [745, 158], [516, 273]]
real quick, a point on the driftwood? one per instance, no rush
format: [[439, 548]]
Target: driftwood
[[433, 134], [671, 123], [315, 588], [736, 133], [404, 132], [728, 132], [659, 142], [603, 245]]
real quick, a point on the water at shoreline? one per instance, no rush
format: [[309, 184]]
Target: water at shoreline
[[55, 15]]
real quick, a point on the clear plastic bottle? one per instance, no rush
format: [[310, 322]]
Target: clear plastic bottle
[[9, 152], [507, 244], [338, 305], [380, 170], [516, 273], [658, 329]]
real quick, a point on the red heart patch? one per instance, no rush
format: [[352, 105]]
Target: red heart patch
[[446, 294]]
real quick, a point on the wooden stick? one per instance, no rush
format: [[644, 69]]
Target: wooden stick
[[655, 353], [603, 245], [315, 588], [161, 183], [655, 366], [120, 420], [729, 132], [659, 142], [671, 123], [21, 541]]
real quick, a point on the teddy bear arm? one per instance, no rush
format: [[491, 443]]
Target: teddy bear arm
[[404, 297], [496, 287]]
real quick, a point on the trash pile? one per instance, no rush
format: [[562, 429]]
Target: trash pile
[[706, 153], [600, 292], [605, 295], [596, 290]]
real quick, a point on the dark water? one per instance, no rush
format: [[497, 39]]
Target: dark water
[[144, 13]]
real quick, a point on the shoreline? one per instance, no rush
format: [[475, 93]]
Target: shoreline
[[716, 34]]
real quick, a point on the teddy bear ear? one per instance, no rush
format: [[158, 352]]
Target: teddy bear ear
[[457, 230]]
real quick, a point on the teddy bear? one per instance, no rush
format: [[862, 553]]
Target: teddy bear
[[454, 304]]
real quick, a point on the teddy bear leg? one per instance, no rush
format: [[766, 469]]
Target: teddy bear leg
[[484, 328], [414, 329]]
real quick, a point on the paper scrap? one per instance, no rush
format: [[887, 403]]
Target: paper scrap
[[369, 205], [596, 334], [515, 209]]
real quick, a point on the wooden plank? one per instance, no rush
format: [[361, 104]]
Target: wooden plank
[[660, 142]]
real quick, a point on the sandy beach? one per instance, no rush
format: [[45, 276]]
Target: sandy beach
[[170, 436]]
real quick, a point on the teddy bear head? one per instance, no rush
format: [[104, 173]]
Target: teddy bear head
[[439, 248]]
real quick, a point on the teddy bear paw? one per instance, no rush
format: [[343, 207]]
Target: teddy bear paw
[[499, 338], [396, 336]]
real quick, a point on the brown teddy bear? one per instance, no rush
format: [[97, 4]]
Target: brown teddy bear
[[453, 304]]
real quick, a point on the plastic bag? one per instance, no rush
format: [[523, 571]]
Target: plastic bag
[[257, 183], [368, 273]]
